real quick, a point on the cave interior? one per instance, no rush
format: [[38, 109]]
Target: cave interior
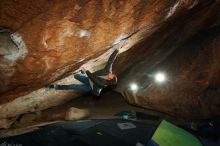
[[167, 70]]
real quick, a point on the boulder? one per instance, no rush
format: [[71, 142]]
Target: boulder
[[76, 114]]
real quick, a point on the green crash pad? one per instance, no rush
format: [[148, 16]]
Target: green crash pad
[[168, 134]]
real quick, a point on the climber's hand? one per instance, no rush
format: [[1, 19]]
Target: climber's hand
[[83, 70]]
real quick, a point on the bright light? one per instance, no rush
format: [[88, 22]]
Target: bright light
[[160, 77], [134, 86]]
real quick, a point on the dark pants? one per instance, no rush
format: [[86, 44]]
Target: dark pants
[[84, 87]]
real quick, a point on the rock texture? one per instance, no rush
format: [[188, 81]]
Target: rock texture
[[76, 114], [192, 88], [56, 38], [6, 123], [188, 53], [62, 35]]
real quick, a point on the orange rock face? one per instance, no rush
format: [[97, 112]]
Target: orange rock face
[[62, 35], [54, 38]]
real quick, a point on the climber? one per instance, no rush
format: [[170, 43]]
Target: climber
[[92, 82]]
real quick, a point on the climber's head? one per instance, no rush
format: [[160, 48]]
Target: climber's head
[[112, 78]]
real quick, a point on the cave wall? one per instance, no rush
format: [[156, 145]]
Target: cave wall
[[186, 49], [60, 37], [192, 88]]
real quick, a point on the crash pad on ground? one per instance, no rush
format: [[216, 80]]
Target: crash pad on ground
[[168, 134]]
